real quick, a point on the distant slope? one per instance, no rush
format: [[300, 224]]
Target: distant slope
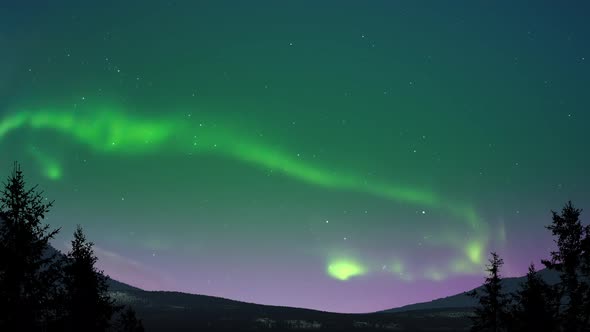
[[117, 286], [462, 300], [172, 311], [113, 284]]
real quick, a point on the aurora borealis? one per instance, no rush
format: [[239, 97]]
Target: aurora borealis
[[345, 157]]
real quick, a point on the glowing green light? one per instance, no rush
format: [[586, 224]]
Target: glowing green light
[[53, 172], [344, 269], [474, 251], [51, 168], [397, 267]]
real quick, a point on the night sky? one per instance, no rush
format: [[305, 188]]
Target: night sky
[[346, 156]]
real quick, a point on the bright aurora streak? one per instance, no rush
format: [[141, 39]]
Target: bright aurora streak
[[114, 132]]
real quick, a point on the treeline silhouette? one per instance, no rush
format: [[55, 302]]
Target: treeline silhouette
[[537, 305], [43, 290]]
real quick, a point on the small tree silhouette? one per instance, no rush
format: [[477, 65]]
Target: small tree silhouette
[[536, 305], [87, 302], [492, 313], [128, 321], [569, 261], [27, 274], [586, 275]]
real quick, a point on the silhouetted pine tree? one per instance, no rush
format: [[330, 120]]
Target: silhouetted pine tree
[[88, 305], [585, 273], [568, 260], [27, 274], [536, 305], [128, 321], [492, 312]]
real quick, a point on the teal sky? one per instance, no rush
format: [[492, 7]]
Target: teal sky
[[341, 156]]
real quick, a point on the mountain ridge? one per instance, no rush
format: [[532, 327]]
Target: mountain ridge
[[460, 300]]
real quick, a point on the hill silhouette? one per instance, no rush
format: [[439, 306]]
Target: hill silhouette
[[182, 311], [165, 310], [463, 300]]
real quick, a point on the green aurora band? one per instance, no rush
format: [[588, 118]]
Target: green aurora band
[[110, 130], [344, 269], [51, 167]]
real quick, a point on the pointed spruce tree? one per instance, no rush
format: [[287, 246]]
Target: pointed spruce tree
[[492, 312], [88, 305], [586, 276], [568, 261], [536, 305], [28, 273]]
